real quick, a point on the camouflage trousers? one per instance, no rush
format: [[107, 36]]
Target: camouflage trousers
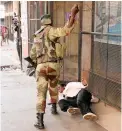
[[47, 76]]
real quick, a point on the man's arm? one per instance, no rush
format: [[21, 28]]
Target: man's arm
[[74, 11], [66, 30]]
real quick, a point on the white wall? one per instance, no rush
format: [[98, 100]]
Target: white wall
[[24, 26], [2, 11]]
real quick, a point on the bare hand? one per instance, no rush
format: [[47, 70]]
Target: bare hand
[[74, 10], [84, 82]]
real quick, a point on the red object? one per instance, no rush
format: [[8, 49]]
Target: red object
[[3, 29]]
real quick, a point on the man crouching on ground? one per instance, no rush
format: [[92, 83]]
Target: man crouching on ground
[[76, 99]]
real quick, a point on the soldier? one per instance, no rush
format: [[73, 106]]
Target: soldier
[[44, 53]]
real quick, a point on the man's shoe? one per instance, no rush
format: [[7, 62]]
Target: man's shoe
[[40, 123], [90, 116], [54, 109], [73, 111]]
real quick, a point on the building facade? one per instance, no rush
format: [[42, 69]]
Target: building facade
[[93, 49], [8, 16]]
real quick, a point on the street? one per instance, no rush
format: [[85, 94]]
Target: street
[[18, 100]]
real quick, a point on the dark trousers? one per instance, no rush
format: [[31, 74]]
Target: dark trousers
[[19, 50], [82, 101]]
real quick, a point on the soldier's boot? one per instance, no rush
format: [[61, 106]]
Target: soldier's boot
[[54, 109], [40, 123]]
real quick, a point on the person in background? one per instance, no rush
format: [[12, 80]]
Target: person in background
[[3, 34], [16, 29]]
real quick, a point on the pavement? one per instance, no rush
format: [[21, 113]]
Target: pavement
[[18, 100], [8, 55]]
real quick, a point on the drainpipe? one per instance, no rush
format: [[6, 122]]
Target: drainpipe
[[45, 7], [20, 38], [80, 42]]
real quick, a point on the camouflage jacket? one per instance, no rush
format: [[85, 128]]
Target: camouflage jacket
[[43, 49]]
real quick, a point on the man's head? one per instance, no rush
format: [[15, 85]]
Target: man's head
[[61, 87], [46, 19]]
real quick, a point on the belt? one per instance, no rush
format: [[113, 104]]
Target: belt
[[55, 61], [48, 61]]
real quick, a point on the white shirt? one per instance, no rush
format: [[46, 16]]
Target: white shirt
[[73, 88]]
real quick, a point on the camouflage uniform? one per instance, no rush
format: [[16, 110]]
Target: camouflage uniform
[[43, 52]]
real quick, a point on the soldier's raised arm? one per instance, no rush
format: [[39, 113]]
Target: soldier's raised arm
[[66, 30]]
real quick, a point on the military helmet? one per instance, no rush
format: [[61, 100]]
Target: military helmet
[[45, 19]]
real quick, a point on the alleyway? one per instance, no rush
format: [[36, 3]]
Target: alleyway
[[18, 94]]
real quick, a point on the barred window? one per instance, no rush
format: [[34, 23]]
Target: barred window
[[105, 78], [35, 11]]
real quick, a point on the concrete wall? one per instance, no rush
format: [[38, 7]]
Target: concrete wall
[[16, 7], [86, 39], [24, 34], [24, 26]]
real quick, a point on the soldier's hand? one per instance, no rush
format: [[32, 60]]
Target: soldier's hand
[[84, 82], [74, 10]]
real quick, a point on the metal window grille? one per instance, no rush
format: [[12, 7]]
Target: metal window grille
[[105, 74]]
